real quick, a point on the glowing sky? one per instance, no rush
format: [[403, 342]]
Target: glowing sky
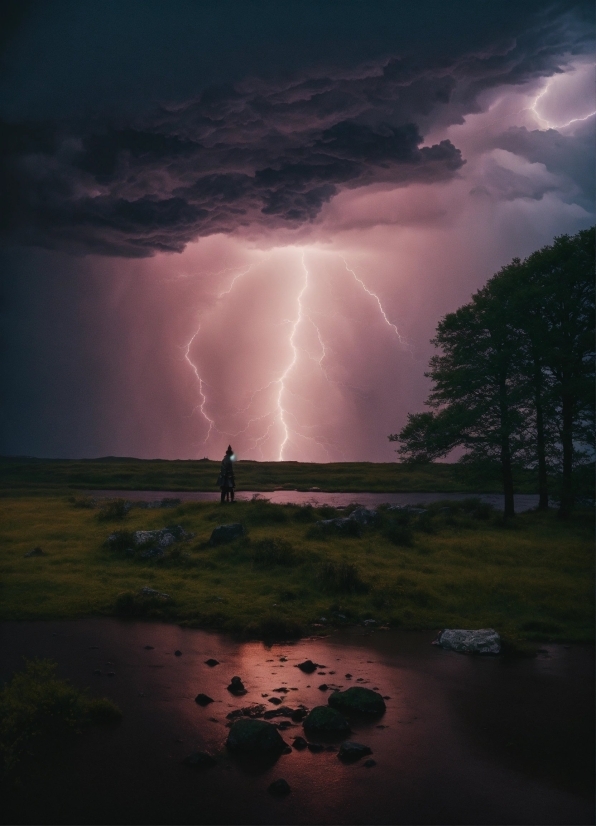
[[242, 221]]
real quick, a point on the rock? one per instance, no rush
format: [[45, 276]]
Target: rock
[[35, 552], [364, 516], [151, 592], [299, 743], [308, 666], [281, 711], [281, 690], [148, 648], [350, 751], [323, 687], [236, 686], [200, 760], [316, 747], [211, 662], [369, 763], [326, 721], [203, 699], [480, 641], [279, 788], [358, 700], [348, 676], [177, 653], [226, 533], [255, 737], [275, 700], [299, 715], [342, 523]]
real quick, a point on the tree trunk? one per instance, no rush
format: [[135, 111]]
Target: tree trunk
[[540, 440], [566, 505], [506, 466]]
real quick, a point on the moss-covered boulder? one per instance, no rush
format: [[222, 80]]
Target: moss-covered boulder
[[255, 738], [324, 721], [357, 700]]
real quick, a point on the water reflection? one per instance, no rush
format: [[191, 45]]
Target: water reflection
[[523, 501], [439, 750]]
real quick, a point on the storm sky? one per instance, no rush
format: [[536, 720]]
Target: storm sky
[[241, 221]]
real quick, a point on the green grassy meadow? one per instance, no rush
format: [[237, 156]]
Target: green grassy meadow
[[453, 566]]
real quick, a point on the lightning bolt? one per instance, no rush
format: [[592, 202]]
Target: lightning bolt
[[547, 123], [279, 415], [291, 365], [377, 299], [201, 406]]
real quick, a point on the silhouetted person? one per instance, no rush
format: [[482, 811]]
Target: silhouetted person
[[226, 476]]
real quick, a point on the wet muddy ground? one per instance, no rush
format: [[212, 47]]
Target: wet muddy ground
[[464, 740]]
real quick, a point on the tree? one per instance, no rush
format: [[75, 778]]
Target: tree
[[515, 375]]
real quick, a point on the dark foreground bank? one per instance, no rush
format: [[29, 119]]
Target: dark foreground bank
[[477, 740]]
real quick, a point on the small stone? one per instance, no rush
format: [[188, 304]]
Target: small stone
[[264, 695], [358, 700], [177, 653], [348, 676], [203, 699], [275, 700], [369, 763], [199, 760], [323, 687], [299, 715], [148, 648], [316, 747], [255, 737], [279, 788], [325, 721], [35, 552], [211, 662], [283, 659], [307, 666], [282, 690], [236, 686], [478, 641], [350, 751], [299, 743]]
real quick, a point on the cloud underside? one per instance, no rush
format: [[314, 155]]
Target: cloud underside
[[256, 152]]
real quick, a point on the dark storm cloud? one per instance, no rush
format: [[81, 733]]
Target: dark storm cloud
[[570, 156], [140, 149]]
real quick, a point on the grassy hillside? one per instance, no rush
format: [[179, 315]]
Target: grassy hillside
[[28, 475]]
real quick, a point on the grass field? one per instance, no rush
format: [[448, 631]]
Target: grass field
[[452, 566], [43, 476]]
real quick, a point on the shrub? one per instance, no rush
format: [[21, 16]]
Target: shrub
[[36, 705], [262, 512], [113, 510], [130, 604], [342, 577], [82, 502], [305, 513], [399, 534], [274, 551], [122, 542]]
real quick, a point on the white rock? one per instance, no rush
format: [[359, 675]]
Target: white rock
[[479, 641]]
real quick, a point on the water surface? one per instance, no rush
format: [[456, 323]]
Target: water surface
[[465, 740], [523, 501]]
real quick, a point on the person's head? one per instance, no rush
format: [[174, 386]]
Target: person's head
[[229, 451]]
